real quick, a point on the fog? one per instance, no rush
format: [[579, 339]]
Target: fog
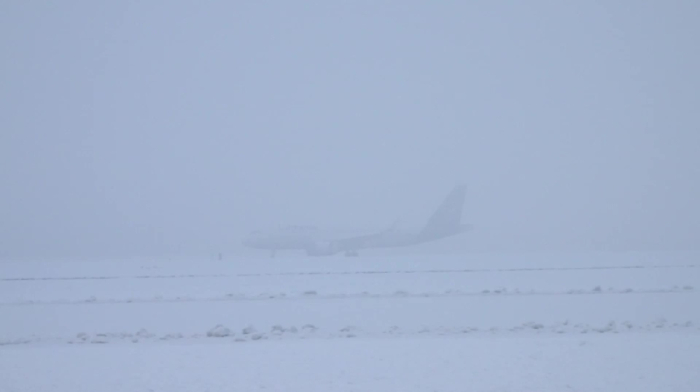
[[152, 128]]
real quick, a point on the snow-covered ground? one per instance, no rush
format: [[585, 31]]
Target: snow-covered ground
[[496, 322]]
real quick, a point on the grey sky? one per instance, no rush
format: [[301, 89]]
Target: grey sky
[[133, 128]]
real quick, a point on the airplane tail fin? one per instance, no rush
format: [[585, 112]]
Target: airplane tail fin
[[447, 218], [393, 226]]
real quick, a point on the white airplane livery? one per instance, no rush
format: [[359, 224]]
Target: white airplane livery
[[445, 222]]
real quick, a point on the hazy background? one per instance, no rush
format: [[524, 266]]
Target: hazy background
[[145, 128]]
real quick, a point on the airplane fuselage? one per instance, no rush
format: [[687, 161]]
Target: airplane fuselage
[[445, 222]]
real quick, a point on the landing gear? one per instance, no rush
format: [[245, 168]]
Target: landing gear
[[351, 253]]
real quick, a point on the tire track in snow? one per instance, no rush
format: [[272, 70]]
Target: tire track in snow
[[363, 272], [313, 295], [250, 334]]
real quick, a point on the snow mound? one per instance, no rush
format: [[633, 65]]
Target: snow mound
[[100, 338], [279, 330], [144, 334], [610, 327], [172, 336], [249, 330], [394, 329], [219, 331], [533, 325], [83, 337]]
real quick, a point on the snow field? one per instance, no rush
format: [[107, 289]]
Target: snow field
[[576, 322]]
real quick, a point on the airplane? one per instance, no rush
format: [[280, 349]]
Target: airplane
[[445, 222]]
